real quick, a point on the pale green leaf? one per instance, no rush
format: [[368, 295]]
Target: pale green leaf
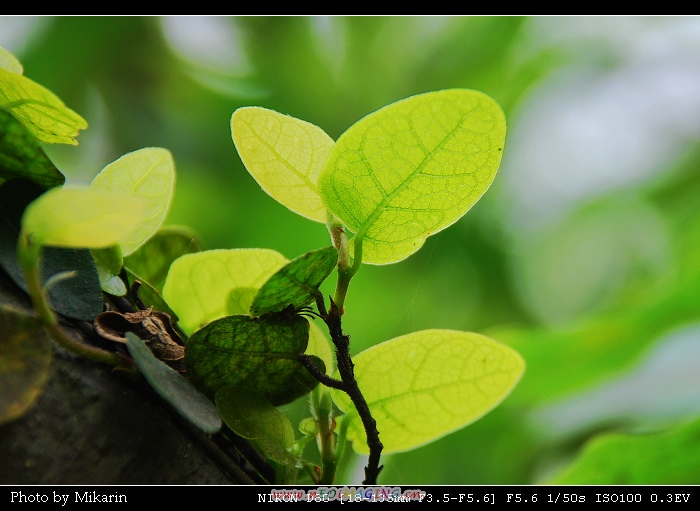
[[109, 262], [198, 285], [413, 168], [173, 387], [10, 62], [320, 346], [424, 385], [251, 416], [239, 300], [39, 109], [148, 174], [81, 217], [285, 155]]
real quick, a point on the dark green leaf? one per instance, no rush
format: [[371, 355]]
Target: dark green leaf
[[25, 358], [296, 283], [251, 416], [21, 155], [255, 353], [173, 387]]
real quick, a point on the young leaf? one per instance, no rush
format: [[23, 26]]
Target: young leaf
[[172, 387], [81, 217], [296, 283], [25, 358], [39, 109], [21, 155], [109, 264], [148, 174], [260, 354], [424, 385], [413, 168], [285, 156], [251, 416], [198, 285]]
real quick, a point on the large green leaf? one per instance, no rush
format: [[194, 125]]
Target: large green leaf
[[260, 354], [660, 458], [21, 155], [251, 416], [81, 217], [296, 283], [148, 174], [173, 387], [39, 109], [198, 285], [424, 385], [25, 358], [285, 156], [413, 168]]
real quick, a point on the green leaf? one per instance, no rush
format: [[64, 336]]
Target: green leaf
[[424, 385], [296, 283], [320, 346], [260, 354], [153, 259], [660, 458], [148, 174], [81, 217], [78, 297], [39, 109], [198, 285], [239, 300], [285, 156], [413, 168], [21, 155], [173, 387], [109, 264], [25, 359], [251, 416], [10, 62]]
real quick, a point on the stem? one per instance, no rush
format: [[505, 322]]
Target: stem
[[325, 438], [28, 254]]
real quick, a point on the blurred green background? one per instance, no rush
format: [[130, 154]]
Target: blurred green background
[[584, 255]]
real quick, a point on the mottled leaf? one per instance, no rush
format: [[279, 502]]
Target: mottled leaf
[[256, 353], [296, 283], [413, 168]]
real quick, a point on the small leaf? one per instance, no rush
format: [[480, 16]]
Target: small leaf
[[260, 354], [198, 285], [285, 155], [148, 174], [21, 155], [25, 359], [424, 385], [296, 283], [249, 415], [109, 264], [413, 168], [39, 109], [81, 217], [174, 388], [10, 62], [149, 295], [152, 260]]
